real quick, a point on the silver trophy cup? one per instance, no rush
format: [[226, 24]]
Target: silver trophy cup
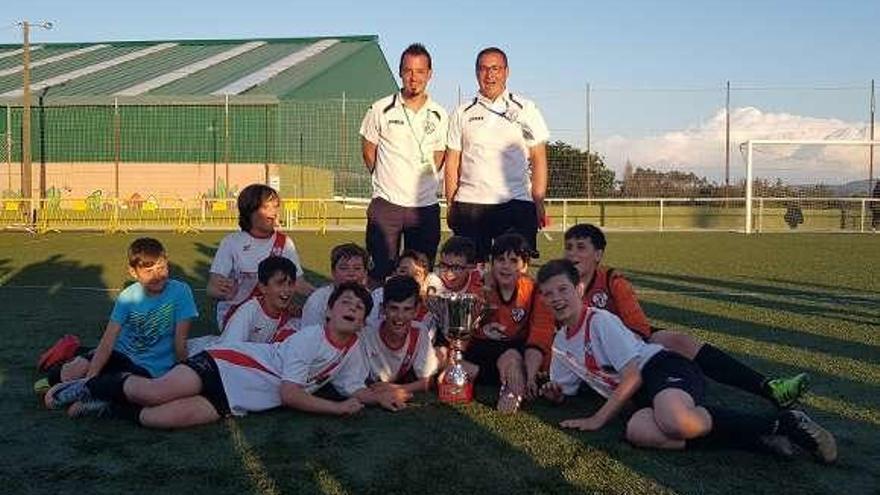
[[457, 316]]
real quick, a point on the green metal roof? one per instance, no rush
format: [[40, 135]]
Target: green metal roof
[[191, 70]]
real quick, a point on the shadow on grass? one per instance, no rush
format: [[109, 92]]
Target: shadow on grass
[[429, 449], [813, 302]]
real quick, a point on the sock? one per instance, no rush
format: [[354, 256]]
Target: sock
[[53, 375], [724, 368], [109, 387], [736, 429], [128, 411]]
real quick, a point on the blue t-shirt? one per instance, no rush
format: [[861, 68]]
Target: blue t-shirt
[[148, 322]]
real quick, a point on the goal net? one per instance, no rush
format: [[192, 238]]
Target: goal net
[[816, 186]]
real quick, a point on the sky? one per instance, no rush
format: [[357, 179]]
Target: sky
[[656, 69]]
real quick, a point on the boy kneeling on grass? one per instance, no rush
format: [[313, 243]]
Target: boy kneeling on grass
[[234, 379], [593, 346], [398, 347]]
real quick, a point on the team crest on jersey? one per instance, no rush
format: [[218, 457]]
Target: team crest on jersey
[[517, 314], [599, 300], [246, 247], [430, 126]]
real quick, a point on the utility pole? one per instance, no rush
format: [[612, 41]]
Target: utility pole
[[727, 140], [26, 171], [871, 146], [588, 124]]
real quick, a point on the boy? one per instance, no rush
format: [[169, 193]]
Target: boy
[[265, 318], [348, 263], [234, 379], [517, 328], [149, 323], [413, 264], [607, 289], [398, 348], [457, 268], [593, 346], [233, 275]]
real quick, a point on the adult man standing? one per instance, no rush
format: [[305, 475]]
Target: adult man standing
[[496, 160], [404, 138]]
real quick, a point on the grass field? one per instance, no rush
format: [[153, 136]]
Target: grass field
[[782, 303]]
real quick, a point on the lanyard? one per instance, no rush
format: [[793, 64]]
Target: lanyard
[[424, 159], [510, 117]]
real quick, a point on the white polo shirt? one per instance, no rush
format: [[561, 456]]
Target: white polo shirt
[[405, 174], [494, 138]]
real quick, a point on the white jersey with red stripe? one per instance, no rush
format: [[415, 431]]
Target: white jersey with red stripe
[[250, 323], [237, 258], [436, 286], [595, 351], [252, 373], [389, 364]]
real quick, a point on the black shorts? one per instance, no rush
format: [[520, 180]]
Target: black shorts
[[485, 353], [484, 222], [116, 363], [670, 370], [212, 386]]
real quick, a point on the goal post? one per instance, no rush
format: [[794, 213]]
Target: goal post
[[814, 185]]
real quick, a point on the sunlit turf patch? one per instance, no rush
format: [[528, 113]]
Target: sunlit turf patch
[[260, 478]]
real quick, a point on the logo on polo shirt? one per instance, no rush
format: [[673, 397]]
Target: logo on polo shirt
[[395, 121], [477, 117], [430, 127]]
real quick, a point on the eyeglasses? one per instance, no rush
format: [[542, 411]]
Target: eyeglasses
[[492, 69], [452, 268]]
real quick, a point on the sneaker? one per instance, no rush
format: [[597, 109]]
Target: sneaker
[[41, 386], [778, 445], [66, 393], [785, 392], [808, 435], [92, 407]]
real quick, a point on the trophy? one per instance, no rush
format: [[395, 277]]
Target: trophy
[[456, 315]]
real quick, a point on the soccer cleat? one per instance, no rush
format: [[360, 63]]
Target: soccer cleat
[[66, 393], [785, 392], [808, 435], [41, 386], [92, 407], [778, 445]]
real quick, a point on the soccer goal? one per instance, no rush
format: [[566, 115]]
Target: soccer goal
[[814, 186]]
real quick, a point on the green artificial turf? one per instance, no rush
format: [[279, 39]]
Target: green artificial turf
[[782, 303]]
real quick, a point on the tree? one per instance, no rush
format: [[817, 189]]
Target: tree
[[568, 173]]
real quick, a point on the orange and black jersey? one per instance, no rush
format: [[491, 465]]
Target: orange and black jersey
[[523, 318], [611, 291]]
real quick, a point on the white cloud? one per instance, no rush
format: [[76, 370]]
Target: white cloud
[[700, 148]]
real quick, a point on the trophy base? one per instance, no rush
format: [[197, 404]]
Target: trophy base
[[451, 393]]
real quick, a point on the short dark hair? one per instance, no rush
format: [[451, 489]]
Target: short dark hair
[[587, 231], [399, 288], [145, 251], [414, 50], [558, 267], [250, 199], [347, 251], [460, 246], [355, 288], [420, 258], [511, 243], [487, 51], [275, 264]]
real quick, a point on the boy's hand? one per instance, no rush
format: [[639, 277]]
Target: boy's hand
[[394, 399], [552, 392], [592, 423], [349, 406], [225, 287]]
